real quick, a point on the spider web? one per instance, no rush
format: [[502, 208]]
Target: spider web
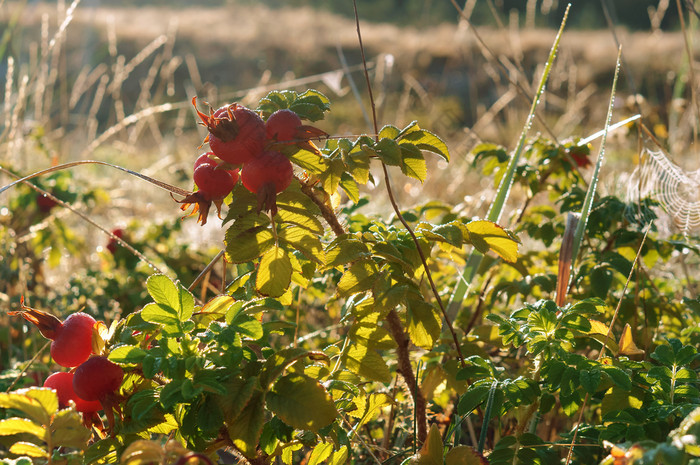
[[676, 191]]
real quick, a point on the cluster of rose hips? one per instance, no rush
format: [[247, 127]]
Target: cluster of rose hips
[[244, 147], [93, 380]]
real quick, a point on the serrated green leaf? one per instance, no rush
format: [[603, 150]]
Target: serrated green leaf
[[238, 394], [12, 426], [301, 402], [28, 405], [250, 328], [274, 273], [46, 397], [389, 131], [485, 236], [618, 376], [424, 323], [170, 295], [104, 451], [357, 164], [426, 140], [359, 277], [308, 160], [278, 362], [300, 216], [304, 241], [413, 162], [154, 313], [475, 396], [245, 429], [371, 335], [590, 379], [242, 248], [343, 250], [370, 408], [339, 457], [320, 453], [67, 430], [330, 178], [127, 354], [388, 151], [350, 186], [367, 363], [28, 449]]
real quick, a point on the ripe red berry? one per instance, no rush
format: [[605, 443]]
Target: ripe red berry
[[72, 343], [270, 168], [45, 203], [236, 133], [62, 382], [113, 244], [96, 378], [213, 181], [282, 125]]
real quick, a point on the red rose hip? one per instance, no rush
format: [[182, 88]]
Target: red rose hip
[[97, 378], [270, 168], [282, 125], [62, 382]]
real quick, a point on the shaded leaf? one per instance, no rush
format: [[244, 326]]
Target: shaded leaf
[[274, 273], [301, 402]]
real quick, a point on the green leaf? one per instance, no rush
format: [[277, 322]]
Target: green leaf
[[350, 186], [371, 335], [331, 177], [424, 323], [475, 396], [304, 241], [618, 376], [170, 295], [368, 410], [12, 426], [485, 236], [28, 449], [30, 406], [465, 455], [357, 164], [274, 273], [245, 429], [431, 452], [277, 363], [388, 151], [67, 430], [308, 161], [320, 453], [245, 247], [165, 316], [127, 354], [343, 250], [413, 163], [590, 379], [301, 402], [389, 131], [339, 457], [238, 394], [250, 328], [45, 396], [427, 141], [359, 277], [104, 451], [367, 363]]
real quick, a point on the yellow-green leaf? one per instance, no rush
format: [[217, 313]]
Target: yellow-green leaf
[[371, 335], [67, 430], [368, 409], [424, 323], [46, 397], [12, 426], [367, 363], [464, 455], [359, 277], [431, 452], [31, 407], [350, 186], [309, 161], [28, 449], [248, 246], [413, 163], [343, 250], [339, 457], [428, 141], [304, 241], [485, 236], [320, 453], [301, 402], [245, 429], [274, 272], [331, 177]]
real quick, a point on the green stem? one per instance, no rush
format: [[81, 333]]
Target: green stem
[[487, 417]]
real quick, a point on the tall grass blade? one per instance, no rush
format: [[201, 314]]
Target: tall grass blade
[[590, 194], [496, 208]]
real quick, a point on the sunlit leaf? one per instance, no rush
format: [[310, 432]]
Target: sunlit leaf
[[485, 236], [245, 429], [301, 402], [359, 277], [28, 405], [413, 163], [431, 452], [367, 363], [67, 430], [424, 323], [11, 426], [28, 449], [248, 246], [274, 272]]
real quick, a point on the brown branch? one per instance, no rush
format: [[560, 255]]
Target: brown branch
[[404, 368], [326, 211]]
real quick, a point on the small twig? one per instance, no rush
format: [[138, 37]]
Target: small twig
[[206, 270], [24, 370], [326, 211]]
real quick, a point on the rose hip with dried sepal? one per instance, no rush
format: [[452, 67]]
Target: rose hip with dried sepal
[[236, 133], [71, 339], [97, 378], [267, 176]]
